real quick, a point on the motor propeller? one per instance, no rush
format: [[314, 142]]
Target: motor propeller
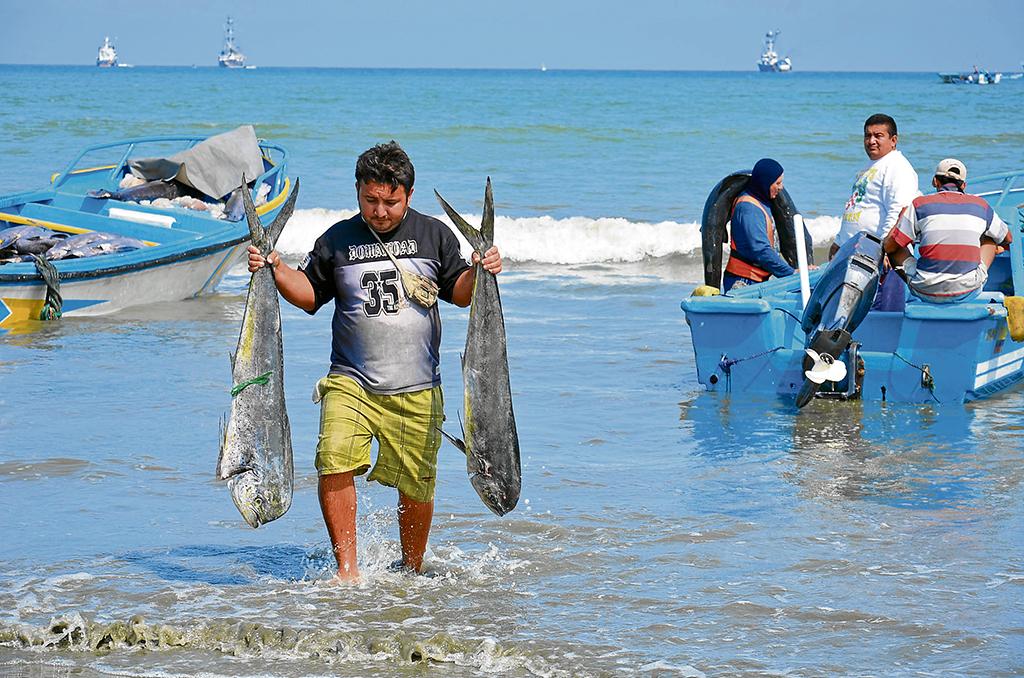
[[825, 368]]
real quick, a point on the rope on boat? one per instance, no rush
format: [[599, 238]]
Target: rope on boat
[[927, 380], [263, 379], [53, 303], [726, 363]]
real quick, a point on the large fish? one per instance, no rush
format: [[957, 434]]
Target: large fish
[[491, 444], [256, 448], [28, 240], [91, 244]]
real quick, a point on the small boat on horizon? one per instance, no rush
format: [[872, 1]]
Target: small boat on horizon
[[975, 77], [770, 62], [230, 55], [106, 57]]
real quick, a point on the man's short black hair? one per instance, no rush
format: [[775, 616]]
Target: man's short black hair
[[386, 164], [881, 119], [944, 179]]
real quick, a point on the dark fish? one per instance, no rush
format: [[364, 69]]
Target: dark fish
[[491, 443], [91, 244], [25, 240], [151, 190], [718, 211], [256, 447]]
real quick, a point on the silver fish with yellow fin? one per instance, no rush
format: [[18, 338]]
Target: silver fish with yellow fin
[[256, 446]]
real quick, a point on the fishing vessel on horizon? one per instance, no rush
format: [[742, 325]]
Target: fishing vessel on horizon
[[230, 55], [106, 57], [770, 62]]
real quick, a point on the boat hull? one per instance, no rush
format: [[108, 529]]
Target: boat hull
[[103, 292], [929, 353]]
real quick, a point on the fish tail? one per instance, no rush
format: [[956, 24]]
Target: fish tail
[[257, 233], [277, 225], [487, 222], [471, 234]]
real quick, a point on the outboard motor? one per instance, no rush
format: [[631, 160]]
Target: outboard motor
[[718, 211], [841, 298]]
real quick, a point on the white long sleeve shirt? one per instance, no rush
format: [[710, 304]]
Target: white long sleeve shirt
[[879, 194]]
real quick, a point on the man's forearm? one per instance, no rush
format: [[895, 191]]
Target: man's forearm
[[294, 286]]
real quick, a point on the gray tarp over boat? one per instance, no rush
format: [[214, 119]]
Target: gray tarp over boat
[[213, 167]]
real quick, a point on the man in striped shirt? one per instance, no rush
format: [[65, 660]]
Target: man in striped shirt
[[956, 234]]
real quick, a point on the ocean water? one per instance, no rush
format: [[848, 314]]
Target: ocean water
[[663, 531]]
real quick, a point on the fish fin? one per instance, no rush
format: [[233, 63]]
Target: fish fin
[[257, 232], [453, 440], [278, 224], [471, 233], [223, 441], [487, 221]]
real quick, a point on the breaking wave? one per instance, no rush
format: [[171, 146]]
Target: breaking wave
[[573, 240]]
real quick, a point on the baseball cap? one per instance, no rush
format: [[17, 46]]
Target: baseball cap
[[952, 168]]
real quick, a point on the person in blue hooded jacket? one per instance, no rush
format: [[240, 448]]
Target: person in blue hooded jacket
[[752, 254]]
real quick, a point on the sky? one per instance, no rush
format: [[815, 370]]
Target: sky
[[819, 35]]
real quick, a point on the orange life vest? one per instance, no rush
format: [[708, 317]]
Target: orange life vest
[[739, 267]]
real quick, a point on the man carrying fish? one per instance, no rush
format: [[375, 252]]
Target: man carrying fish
[[384, 269]]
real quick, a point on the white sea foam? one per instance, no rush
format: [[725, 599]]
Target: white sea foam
[[572, 240]]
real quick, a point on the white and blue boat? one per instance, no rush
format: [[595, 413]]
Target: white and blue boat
[[755, 339], [230, 56], [770, 61], [182, 248]]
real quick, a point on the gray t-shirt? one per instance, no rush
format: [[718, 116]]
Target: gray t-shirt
[[381, 339]]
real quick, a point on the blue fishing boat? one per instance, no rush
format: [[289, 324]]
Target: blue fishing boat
[[772, 338], [107, 233]]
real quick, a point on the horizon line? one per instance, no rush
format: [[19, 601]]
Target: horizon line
[[545, 69]]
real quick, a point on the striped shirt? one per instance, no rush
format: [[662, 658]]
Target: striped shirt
[[948, 227]]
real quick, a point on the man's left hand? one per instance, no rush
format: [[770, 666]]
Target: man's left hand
[[491, 260]]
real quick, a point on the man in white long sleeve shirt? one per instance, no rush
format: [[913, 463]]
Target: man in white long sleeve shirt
[[880, 192]]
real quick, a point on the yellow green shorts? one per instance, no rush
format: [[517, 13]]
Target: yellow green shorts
[[404, 424]]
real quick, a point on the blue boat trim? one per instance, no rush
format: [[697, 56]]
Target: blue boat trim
[[106, 271]]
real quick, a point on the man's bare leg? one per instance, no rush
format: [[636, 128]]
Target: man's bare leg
[[414, 519], [338, 503]]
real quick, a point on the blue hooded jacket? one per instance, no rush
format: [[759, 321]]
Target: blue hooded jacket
[[749, 228]]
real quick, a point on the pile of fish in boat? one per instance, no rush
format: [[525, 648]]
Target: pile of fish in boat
[[19, 243], [167, 194]]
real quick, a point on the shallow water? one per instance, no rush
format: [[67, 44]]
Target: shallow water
[[662, 530]]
